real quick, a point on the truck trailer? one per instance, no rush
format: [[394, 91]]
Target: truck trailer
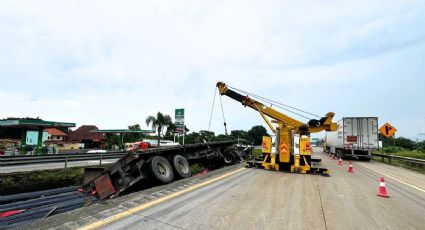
[[356, 138], [159, 165]]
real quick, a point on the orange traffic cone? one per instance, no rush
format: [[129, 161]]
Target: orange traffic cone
[[382, 189], [340, 161], [350, 168]]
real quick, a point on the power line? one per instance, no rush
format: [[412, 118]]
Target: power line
[[212, 109], [224, 119], [276, 103]]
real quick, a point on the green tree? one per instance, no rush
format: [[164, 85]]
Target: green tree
[[392, 145], [405, 143], [256, 133], [421, 146], [171, 130], [192, 138], [159, 123], [113, 139], [132, 137], [240, 135], [222, 137], [206, 135]]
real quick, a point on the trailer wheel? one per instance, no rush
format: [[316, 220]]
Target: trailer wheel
[[161, 169], [228, 158], [181, 167], [250, 157], [339, 153]]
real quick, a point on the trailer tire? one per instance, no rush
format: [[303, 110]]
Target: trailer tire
[[181, 167], [228, 158], [161, 169], [340, 153]]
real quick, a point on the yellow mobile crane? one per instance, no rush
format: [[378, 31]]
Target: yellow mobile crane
[[292, 143]]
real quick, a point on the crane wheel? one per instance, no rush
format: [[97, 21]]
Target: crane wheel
[[181, 167], [161, 169]]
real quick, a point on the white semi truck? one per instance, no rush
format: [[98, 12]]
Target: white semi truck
[[356, 137]]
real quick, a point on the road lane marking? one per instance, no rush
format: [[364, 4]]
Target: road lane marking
[[142, 207], [398, 180]]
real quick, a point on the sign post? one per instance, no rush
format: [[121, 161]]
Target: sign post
[[179, 117], [388, 131]]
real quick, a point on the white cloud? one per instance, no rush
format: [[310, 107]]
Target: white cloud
[[114, 63]]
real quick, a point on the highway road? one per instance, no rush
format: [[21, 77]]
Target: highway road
[[45, 166], [259, 199]]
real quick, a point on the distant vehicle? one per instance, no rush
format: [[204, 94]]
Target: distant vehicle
[[356, 137], [130, 145], [96, 151], [148, 143], [136, 145], [163, 143]]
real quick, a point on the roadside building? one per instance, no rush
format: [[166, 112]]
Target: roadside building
[[59, 140], [54, 134], [30, 132], [90, 140]]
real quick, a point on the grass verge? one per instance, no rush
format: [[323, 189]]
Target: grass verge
[[413, 154], [13, 183], [404, 164]]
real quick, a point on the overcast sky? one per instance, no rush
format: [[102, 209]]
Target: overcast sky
[[113, 63]]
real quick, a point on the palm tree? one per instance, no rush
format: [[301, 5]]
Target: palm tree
[[158, 123]]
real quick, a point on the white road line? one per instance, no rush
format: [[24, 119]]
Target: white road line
[[398, 180]]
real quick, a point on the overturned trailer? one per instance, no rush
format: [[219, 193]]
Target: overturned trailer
[[162, 165]]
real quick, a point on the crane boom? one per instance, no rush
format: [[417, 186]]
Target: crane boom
[[314, 126]]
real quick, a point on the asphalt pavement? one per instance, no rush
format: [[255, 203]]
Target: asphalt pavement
[[260, 199]]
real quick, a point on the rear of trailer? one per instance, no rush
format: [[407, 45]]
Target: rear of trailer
[[356, 137]]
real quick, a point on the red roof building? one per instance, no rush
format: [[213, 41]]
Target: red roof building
[[90, 140], [55, 132]]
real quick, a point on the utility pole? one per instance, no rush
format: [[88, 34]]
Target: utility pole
[[184, 129]]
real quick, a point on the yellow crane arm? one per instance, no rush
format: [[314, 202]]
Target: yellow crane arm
[[324, 124], [267, 121]]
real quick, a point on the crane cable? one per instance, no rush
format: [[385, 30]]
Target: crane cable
[[276, 103], [224, 119], [212, 109], [222, 111]]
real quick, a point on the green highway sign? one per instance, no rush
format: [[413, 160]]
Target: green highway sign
[[179, 113], [179, 117]]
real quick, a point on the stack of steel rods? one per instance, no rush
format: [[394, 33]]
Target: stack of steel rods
[[23, 208]]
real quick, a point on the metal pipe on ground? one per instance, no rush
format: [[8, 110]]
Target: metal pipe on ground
[[40, 201], [55, 209], [36, 200], [31, 195], [44, 209]]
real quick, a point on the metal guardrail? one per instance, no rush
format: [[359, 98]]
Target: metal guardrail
[[58, 158], [409, 160]]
